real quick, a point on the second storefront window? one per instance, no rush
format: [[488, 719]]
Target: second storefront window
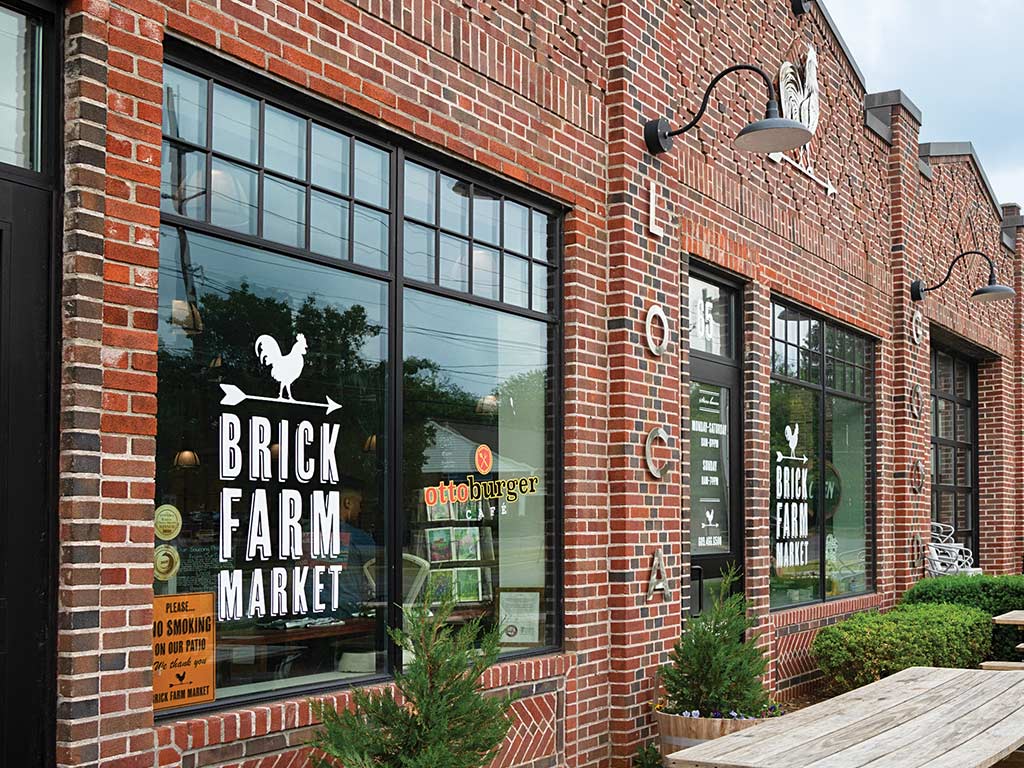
[[821, 458]]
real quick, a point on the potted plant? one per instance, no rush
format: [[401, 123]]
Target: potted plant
[[441, 717], [712, 685]]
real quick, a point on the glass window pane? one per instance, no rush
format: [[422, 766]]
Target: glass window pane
[[540, 288], [284, 142], [847, 499], [419, 252], [420, 192], [943, 511], [454, 205], [370, 238], [284, 212], [479, 379], [964, 432], [486, 216], [517, 228], [711, 319], [944, 374], [710, 502], [328, 225], [964, 466], [263, 323], [945, 419], [965, 518], [795, 494], [454, 263], [236, 124], [20, 40], [542, 229], [330, 159], [373, 174], [486, 272], [184, 105], [517, 277], [183, 181], [963, 379], [779, 357], [233, 201], [945, 465]]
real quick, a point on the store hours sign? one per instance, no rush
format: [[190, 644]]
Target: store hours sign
[[709, 468]]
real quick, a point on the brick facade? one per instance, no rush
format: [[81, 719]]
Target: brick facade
[[551, 94]]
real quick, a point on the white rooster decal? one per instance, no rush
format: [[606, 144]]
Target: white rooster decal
[[284, 369], [793, 437], [801, 99]]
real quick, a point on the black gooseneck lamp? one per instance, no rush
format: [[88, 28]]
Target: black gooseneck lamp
[[993, 291], [772, 134]]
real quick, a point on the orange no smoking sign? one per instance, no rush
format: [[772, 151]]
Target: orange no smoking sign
[[483, 459]]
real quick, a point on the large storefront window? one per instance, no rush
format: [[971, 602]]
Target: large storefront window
[[318, 469], [821, 444]]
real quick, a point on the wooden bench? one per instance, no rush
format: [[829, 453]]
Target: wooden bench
[[922, 716], [1003, 665]]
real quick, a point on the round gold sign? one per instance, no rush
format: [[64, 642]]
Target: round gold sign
[[166, 562], [166, 522]]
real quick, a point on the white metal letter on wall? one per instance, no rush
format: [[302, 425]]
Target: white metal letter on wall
[[659, 576], [657, 470], [656, 313]]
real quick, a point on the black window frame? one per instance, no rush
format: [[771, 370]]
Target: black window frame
[[936, 442], [870, 400], [184, 56]]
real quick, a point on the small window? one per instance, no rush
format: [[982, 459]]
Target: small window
[[483, 243], [21, 44]]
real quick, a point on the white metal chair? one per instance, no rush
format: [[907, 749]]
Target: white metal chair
[[414, 575], [944, 556]]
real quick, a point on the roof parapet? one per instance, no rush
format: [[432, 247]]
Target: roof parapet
[[953, 148]]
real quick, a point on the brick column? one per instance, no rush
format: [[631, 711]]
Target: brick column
[[79, 641], [911, 361], [998, 435], [643, 389], [113, 84]]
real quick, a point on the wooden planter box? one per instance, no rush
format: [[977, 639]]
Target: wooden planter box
[[676, 732]]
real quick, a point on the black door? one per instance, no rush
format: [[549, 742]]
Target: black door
[[28, 407], [716, 472]]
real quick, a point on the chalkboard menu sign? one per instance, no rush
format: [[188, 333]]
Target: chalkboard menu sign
[[709, 468]]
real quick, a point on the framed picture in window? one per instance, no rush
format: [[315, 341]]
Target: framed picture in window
[[466, 543], [522, 621], [439, 544]]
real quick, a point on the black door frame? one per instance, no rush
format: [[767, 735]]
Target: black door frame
[[724, 372], [41, 672]]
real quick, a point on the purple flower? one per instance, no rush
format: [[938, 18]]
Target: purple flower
[[695, 713], [732, 714]]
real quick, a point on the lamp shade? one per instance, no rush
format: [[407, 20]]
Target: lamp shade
[[772, 134], [993, 292], [186, 459]]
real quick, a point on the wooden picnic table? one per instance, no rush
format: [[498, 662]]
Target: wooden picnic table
[[1013, 617], [922, 716]]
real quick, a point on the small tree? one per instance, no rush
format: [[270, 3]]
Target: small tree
[[712, 670], [441, 719]]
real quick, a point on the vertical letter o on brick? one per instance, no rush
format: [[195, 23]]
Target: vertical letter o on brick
[[655, 312]]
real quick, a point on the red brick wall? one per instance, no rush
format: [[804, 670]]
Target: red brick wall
[[552, 94]]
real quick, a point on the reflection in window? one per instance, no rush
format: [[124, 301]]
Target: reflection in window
[[476, 391], [821, 440], [235, 316], [710, 318], [954, 445]]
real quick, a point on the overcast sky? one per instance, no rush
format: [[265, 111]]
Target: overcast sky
[[959, 62]]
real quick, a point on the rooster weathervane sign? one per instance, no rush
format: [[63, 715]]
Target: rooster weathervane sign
[[801, 101], [285, 369]]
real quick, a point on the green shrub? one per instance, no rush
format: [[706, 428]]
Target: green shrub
[[647, 756], [992, 594], [712, 671], [869, 646], [442, 719]]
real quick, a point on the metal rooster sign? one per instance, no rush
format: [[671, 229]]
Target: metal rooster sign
[[801, 101]]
